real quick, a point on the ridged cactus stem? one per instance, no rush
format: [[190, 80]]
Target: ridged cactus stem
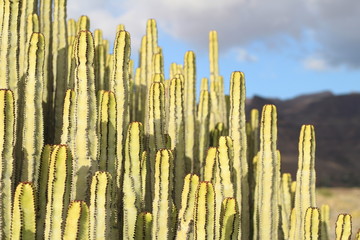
[[77, 221], [186, 213], [325, 219], [132, 185], [204, 212], [210, 168], [68, 114], [229, 220], [267, 203], [9, 62], [23, 224], [203, 118], [33, 126], [190, 106], [305, 178], [176, 131], [107, 131], [343, 227], [151, 46], [59, 61], [237, 131], [58, 191], [71, 27], [83, 24], [143, 226], [312, 229], [84, 144], [119, 84], [100, 206], [7, 143], [162, 202], [286, 203]]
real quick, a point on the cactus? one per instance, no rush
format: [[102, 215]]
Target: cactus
[[203, 118], [204, 212], [143, 226], [312, 229], [162, 202], [229, 220], [7, 144], [305, 178], [343, 227], [100, 206], [267, 182], [23, 225], [32, 137], [77, 221], [58, 191]]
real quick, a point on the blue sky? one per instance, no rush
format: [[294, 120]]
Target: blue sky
[[285, 48]]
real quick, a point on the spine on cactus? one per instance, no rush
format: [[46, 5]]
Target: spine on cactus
[[42, 189], [204, 212], [237, 131], [305, 178], [190, 106], [9, 71], [100, 206], [162, 202], [312, 229], [176, 131], [186, 213], [325, 219], [209, 172], [229, 220], [343, 227], [77, 221], [58, 191], [143, 226], [203, 118], [85, 140], [132, 185], [267, 182], [33, 129], [59, 60], [7, 144], [107, 131], [23, 224], [119, 85]]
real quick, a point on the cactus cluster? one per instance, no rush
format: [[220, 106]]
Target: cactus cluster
[[92, 148]]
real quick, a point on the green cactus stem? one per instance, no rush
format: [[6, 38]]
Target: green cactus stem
[[237, 131], [7, 144], [23, 224], [58, 191], [77, 221], [33, 130], [325, 221], [143, 226], [162, 202], [312, 223], [203, 118], [343, 227], [100, 206], [204, 212]]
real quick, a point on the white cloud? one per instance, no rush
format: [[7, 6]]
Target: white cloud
[[314, 63], [238, 22], [242, 55]]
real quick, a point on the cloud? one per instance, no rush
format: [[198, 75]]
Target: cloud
[[314, 63], [241, 22], [242, 55]]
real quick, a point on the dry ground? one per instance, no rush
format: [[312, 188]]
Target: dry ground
[[341, 200]]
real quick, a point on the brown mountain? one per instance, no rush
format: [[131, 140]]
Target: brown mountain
[[337, 127]]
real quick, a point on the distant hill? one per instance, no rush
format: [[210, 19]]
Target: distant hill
[[337, 128]]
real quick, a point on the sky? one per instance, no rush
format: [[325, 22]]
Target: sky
[[285, 48]]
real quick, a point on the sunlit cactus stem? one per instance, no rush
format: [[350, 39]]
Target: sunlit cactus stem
[[77, 221], [343, 227], [325, 221], [7, 143], [312, 229], [162, 202], [33, 129], [143, 226], [100, 206], [23, 224], [203, 118], [229, 220]]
